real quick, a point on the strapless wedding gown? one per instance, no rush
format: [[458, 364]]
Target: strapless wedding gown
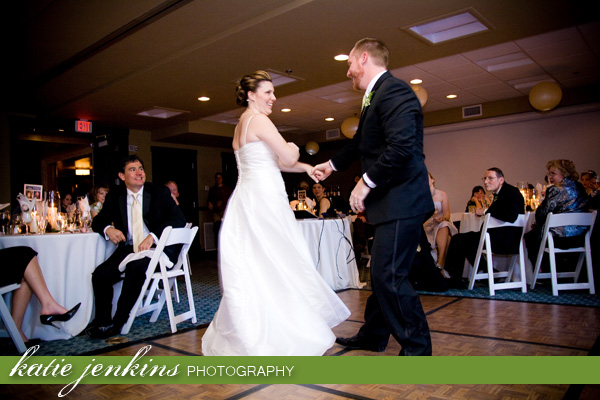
[[274, 301]]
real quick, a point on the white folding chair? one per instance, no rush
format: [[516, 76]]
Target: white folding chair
[[157, 271], [485, 248], [547, 246], [9, 323]]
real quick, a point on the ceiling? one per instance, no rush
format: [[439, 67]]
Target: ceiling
[[106, 61]]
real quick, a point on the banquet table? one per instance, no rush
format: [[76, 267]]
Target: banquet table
[[330, 245], [67, 261]]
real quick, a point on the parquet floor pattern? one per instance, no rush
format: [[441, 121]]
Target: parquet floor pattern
[[459, 327]]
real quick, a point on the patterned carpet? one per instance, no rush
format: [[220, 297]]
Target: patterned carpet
[[207, 295]]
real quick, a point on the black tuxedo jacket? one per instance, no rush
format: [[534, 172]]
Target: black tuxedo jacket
[[507, 207], [389, 141], [159, 211]]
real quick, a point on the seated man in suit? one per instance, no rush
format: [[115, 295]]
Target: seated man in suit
[[507, 205], [133, 217]]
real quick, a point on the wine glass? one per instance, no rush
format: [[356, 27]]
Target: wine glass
[[62, 222], [42, 222], [27, 218], [4, 222]]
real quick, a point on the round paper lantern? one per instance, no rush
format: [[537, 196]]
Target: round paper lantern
[[545, 96], [312, 148], [349, 127], [421, 94]]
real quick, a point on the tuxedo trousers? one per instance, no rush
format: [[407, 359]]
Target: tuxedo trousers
[[394, 306], [106, 275]]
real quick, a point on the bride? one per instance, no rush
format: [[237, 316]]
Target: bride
[[274, 301]]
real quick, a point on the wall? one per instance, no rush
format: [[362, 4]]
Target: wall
[[208, 162], [520, 145]]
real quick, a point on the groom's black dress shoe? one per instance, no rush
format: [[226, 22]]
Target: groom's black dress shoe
[[103, 332], [358, 343]]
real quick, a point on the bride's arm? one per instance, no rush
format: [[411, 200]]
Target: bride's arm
[[262, 128]]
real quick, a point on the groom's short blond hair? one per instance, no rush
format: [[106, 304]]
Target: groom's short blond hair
[[375, 48]]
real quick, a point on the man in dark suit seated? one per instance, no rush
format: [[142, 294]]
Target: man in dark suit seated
[[133, 217], [507, 205]]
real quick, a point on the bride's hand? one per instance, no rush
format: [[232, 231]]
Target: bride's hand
[[293, 146], [315, 175]]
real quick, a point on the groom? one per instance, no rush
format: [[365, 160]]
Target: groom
[[394, 191]]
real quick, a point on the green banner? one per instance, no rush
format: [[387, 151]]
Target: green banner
[[142, 368]]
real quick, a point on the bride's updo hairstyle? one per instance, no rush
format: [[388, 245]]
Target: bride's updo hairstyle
[[249, 83]]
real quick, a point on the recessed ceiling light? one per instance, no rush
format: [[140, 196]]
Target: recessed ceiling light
[[448, 28], [204, 98], [416, 81], [341, 57], [329, 119], [286, 109], [452, 96]]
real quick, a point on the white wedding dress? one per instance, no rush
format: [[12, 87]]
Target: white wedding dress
[[274, 302]]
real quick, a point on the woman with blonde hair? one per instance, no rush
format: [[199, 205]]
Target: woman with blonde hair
[[563, 195], [439, 226]]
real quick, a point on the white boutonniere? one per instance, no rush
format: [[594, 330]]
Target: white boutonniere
[[367, 100]]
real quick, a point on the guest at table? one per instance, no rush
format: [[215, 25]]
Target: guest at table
[[25, 270], [564, 195], [133, 217], [478, 199], [439, 226], [588, 179], [174, 189], [322, 202], [507, 206], [96, 197], [218, 196], [66, 202]]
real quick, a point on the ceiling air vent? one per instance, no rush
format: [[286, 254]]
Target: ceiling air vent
[[332, 134], [472, 111]]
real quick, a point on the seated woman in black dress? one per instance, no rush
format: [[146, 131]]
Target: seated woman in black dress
[[564, 195], [322, 202], [25, 270], [477, 198]]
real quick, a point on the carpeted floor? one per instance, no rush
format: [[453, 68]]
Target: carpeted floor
[[207, 295]]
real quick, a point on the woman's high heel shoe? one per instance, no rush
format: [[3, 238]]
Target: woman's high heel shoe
[[50, 319]]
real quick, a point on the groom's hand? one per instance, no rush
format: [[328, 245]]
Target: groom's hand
[[358, 196]]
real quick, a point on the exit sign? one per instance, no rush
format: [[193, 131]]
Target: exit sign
[[83, 126]]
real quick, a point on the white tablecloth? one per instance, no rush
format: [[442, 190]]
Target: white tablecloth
[[330, 245], [67, 261], [470, 222]]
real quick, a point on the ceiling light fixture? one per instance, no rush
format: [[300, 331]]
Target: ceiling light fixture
[[286, 109], [204, 98], [329, 119], [450, 27], [416, 81], [162, 113], [452, 96], [341, 57]]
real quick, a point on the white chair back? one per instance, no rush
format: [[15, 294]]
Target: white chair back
[[158, 272], [9, 323], [485, 248], [585, 252]]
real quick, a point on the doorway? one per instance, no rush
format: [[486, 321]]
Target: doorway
[[178, 165]]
